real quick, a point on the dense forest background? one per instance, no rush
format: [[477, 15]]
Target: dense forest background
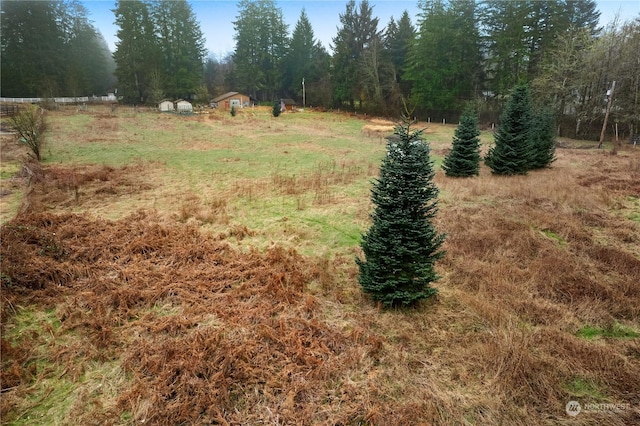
[[453, 53]]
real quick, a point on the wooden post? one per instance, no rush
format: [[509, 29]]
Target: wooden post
[[606, 116]]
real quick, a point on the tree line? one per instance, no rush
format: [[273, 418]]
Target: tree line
[[159, 52], [50, 48], [456, 52], [452, 53]]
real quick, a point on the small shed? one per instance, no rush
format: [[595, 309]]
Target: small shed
[[230, 99], [287, 105], [183, 107], [165, 105]]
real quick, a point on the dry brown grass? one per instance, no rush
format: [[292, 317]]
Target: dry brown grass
[[206, 333], [195, 327], [320, 181], [81, 187]]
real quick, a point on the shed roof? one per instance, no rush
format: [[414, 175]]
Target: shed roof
[[288, 101], [225, 96]]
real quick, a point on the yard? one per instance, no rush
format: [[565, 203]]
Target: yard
[[165, 269]]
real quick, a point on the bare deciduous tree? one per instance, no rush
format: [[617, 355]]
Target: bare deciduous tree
[[30, 125]]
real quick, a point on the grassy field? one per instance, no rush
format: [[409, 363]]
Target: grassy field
[[162, 269]]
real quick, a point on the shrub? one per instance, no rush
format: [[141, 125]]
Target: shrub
[[30, 126], [233, 111], [276, 109], [402, 245]]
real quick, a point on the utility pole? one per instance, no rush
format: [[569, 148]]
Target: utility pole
[[304, 99], [606, 117]]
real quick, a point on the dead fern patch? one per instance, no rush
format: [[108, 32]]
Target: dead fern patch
[[200, 328]]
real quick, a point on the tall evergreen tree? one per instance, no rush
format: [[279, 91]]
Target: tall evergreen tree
[[402, 244], [212, 75], [277, 41], [398, 39], [181, 45], [391, 42], [33, 49], [50, 48], [319, 90], [445, 64], [249, 75], [137, 52], [511, 153], [90, 65], [430, 62], [464, 158], [358, 33], [261, 47], [542, 22], [518, 35], [299, 61], [582, 14], [345, 57], [467, 50], [306, 60], [505, 43]]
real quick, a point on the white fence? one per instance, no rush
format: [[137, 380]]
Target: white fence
[[76, 100]]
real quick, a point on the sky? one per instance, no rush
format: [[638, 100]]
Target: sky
[[216, 17]]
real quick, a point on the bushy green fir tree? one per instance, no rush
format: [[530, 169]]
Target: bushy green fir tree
[[464, 158], [402, 244], [543, 144], [511, 154], [276, 109]]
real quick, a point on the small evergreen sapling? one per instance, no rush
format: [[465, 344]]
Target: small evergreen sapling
[[464, 158], [543, 143], [402, 245], [276, 109], [511, 154]]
